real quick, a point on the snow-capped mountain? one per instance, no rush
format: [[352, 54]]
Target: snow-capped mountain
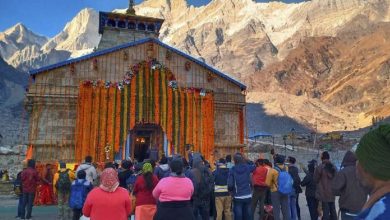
[[25, 50], [294, 56], [18, 38], [79, 35]]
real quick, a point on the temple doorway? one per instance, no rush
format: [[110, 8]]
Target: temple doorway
[[148, 139]]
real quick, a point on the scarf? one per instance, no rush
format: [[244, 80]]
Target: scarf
[[109, 180]]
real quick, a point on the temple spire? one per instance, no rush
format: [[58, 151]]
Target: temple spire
[[130, 10]]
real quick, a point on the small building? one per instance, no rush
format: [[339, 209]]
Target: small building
[[133, 96]]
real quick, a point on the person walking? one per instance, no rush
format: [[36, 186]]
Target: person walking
[[345, 184], [204, 185], [78, 194], [293, 170], [279, 195], [108, 201], [62, 182], [259, 187], [145, 204], [89, 169], [30, 178], [323, 176], [310, 192], [373, 165], [174, 195], [239, 183], [223, 201]]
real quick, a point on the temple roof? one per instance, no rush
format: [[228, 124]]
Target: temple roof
[[135, 43], [107, 16]]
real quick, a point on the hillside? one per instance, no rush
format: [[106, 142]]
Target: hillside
[[319, 62], [12, 89]]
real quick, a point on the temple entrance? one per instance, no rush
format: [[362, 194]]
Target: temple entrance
[[148, 139]]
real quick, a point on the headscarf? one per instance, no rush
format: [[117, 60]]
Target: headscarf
[[147, 168], [373, 152], [109, 180]]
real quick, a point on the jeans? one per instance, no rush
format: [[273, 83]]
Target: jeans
[[64, 211], [223, 205], [202, 208], [77, 213], [312, 204], [298, 208], [259, 194], [242, 209], [20, 205], [329, 211], [293, 206], [280, 203], [28, 201]]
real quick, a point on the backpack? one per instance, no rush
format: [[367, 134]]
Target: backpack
[[18, 184], [78, 194], [130, 182], [285, 181], [206, 185], [63, 183]]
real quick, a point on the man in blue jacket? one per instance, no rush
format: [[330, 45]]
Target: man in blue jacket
[[239, 184]]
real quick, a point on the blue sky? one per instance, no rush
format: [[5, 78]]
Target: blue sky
[[48, 17]]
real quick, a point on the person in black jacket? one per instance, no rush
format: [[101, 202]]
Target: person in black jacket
[[223, 200], [310, 191], [125, 173], [294, 197]]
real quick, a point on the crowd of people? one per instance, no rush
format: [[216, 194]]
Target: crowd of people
[[177, 188]]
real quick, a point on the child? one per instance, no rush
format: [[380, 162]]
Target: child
[[78, 193]]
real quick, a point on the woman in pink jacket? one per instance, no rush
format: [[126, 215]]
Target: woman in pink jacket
[[108, 201], [174, 194]]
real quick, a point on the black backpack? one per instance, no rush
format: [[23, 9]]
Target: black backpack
[[63, 183]]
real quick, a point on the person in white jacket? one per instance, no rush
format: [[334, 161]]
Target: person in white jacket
[[89, 169]]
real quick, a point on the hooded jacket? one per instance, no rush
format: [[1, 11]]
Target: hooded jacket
[[239, 180], [198, 174], [89, 170], [323, 176], [346, 185], [162, 171]]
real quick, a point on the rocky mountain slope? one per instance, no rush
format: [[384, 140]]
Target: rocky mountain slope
[[321, 62], [12, 88], [350, 71], [25, 50]]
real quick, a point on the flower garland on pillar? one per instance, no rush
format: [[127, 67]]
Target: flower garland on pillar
[[149, 93]]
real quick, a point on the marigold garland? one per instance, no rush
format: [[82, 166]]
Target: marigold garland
[[106, 111]]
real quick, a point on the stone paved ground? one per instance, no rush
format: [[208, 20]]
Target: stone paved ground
[[8, 205]]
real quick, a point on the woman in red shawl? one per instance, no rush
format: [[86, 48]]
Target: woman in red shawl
[[45, 188], [108, 201]]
